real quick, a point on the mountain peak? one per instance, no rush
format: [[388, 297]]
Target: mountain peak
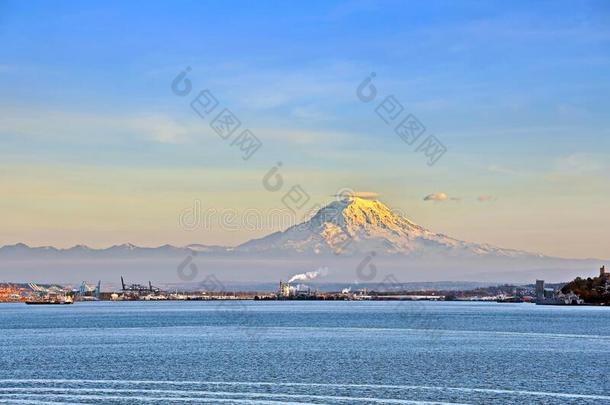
[[347, 225], [354, 224], [355, 214]]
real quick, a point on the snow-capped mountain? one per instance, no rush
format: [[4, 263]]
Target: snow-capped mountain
[[344, 236], [356, 225]]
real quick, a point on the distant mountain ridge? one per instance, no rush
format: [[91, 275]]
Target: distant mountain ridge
[[345, 227], [339, 236], [126, 249]]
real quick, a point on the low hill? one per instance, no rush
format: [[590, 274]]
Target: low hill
[[594, 290]]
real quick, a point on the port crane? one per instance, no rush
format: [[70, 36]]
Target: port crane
[[45, 290], [139, 288], [88, 291]]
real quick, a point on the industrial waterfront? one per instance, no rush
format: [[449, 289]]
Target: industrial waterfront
[[538, 293]]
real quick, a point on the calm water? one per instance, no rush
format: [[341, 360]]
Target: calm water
[[304, 352]]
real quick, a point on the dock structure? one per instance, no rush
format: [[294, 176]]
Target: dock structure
[[88, 292], [137, 290]]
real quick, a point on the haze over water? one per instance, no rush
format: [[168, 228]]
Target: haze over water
[[304, 352]]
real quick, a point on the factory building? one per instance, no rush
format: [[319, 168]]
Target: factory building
[[299, 291], [285, 290]]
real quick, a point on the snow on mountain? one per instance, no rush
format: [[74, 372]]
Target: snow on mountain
[[340, 237], [126, 250], [346, 227], [354, 225], [195, 247]]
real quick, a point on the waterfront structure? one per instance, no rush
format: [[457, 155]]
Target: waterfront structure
[[135, 291], [300, 291], [605, 278], [285, 290], [548, 296], [87, 292], [539, 290], [14, 292]]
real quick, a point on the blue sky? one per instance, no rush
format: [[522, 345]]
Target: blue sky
[[96, 149]]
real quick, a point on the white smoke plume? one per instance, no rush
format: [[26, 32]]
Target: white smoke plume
[[310, 275]]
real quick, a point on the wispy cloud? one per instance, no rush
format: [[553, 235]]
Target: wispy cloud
[[303, 136], [369, 195], [503, 170], [310, 113], [69, 125], [158, 128], [581, 163], [303, 90]]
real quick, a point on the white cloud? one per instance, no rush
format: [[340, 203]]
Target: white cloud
[[440, 197], [436, 197]]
